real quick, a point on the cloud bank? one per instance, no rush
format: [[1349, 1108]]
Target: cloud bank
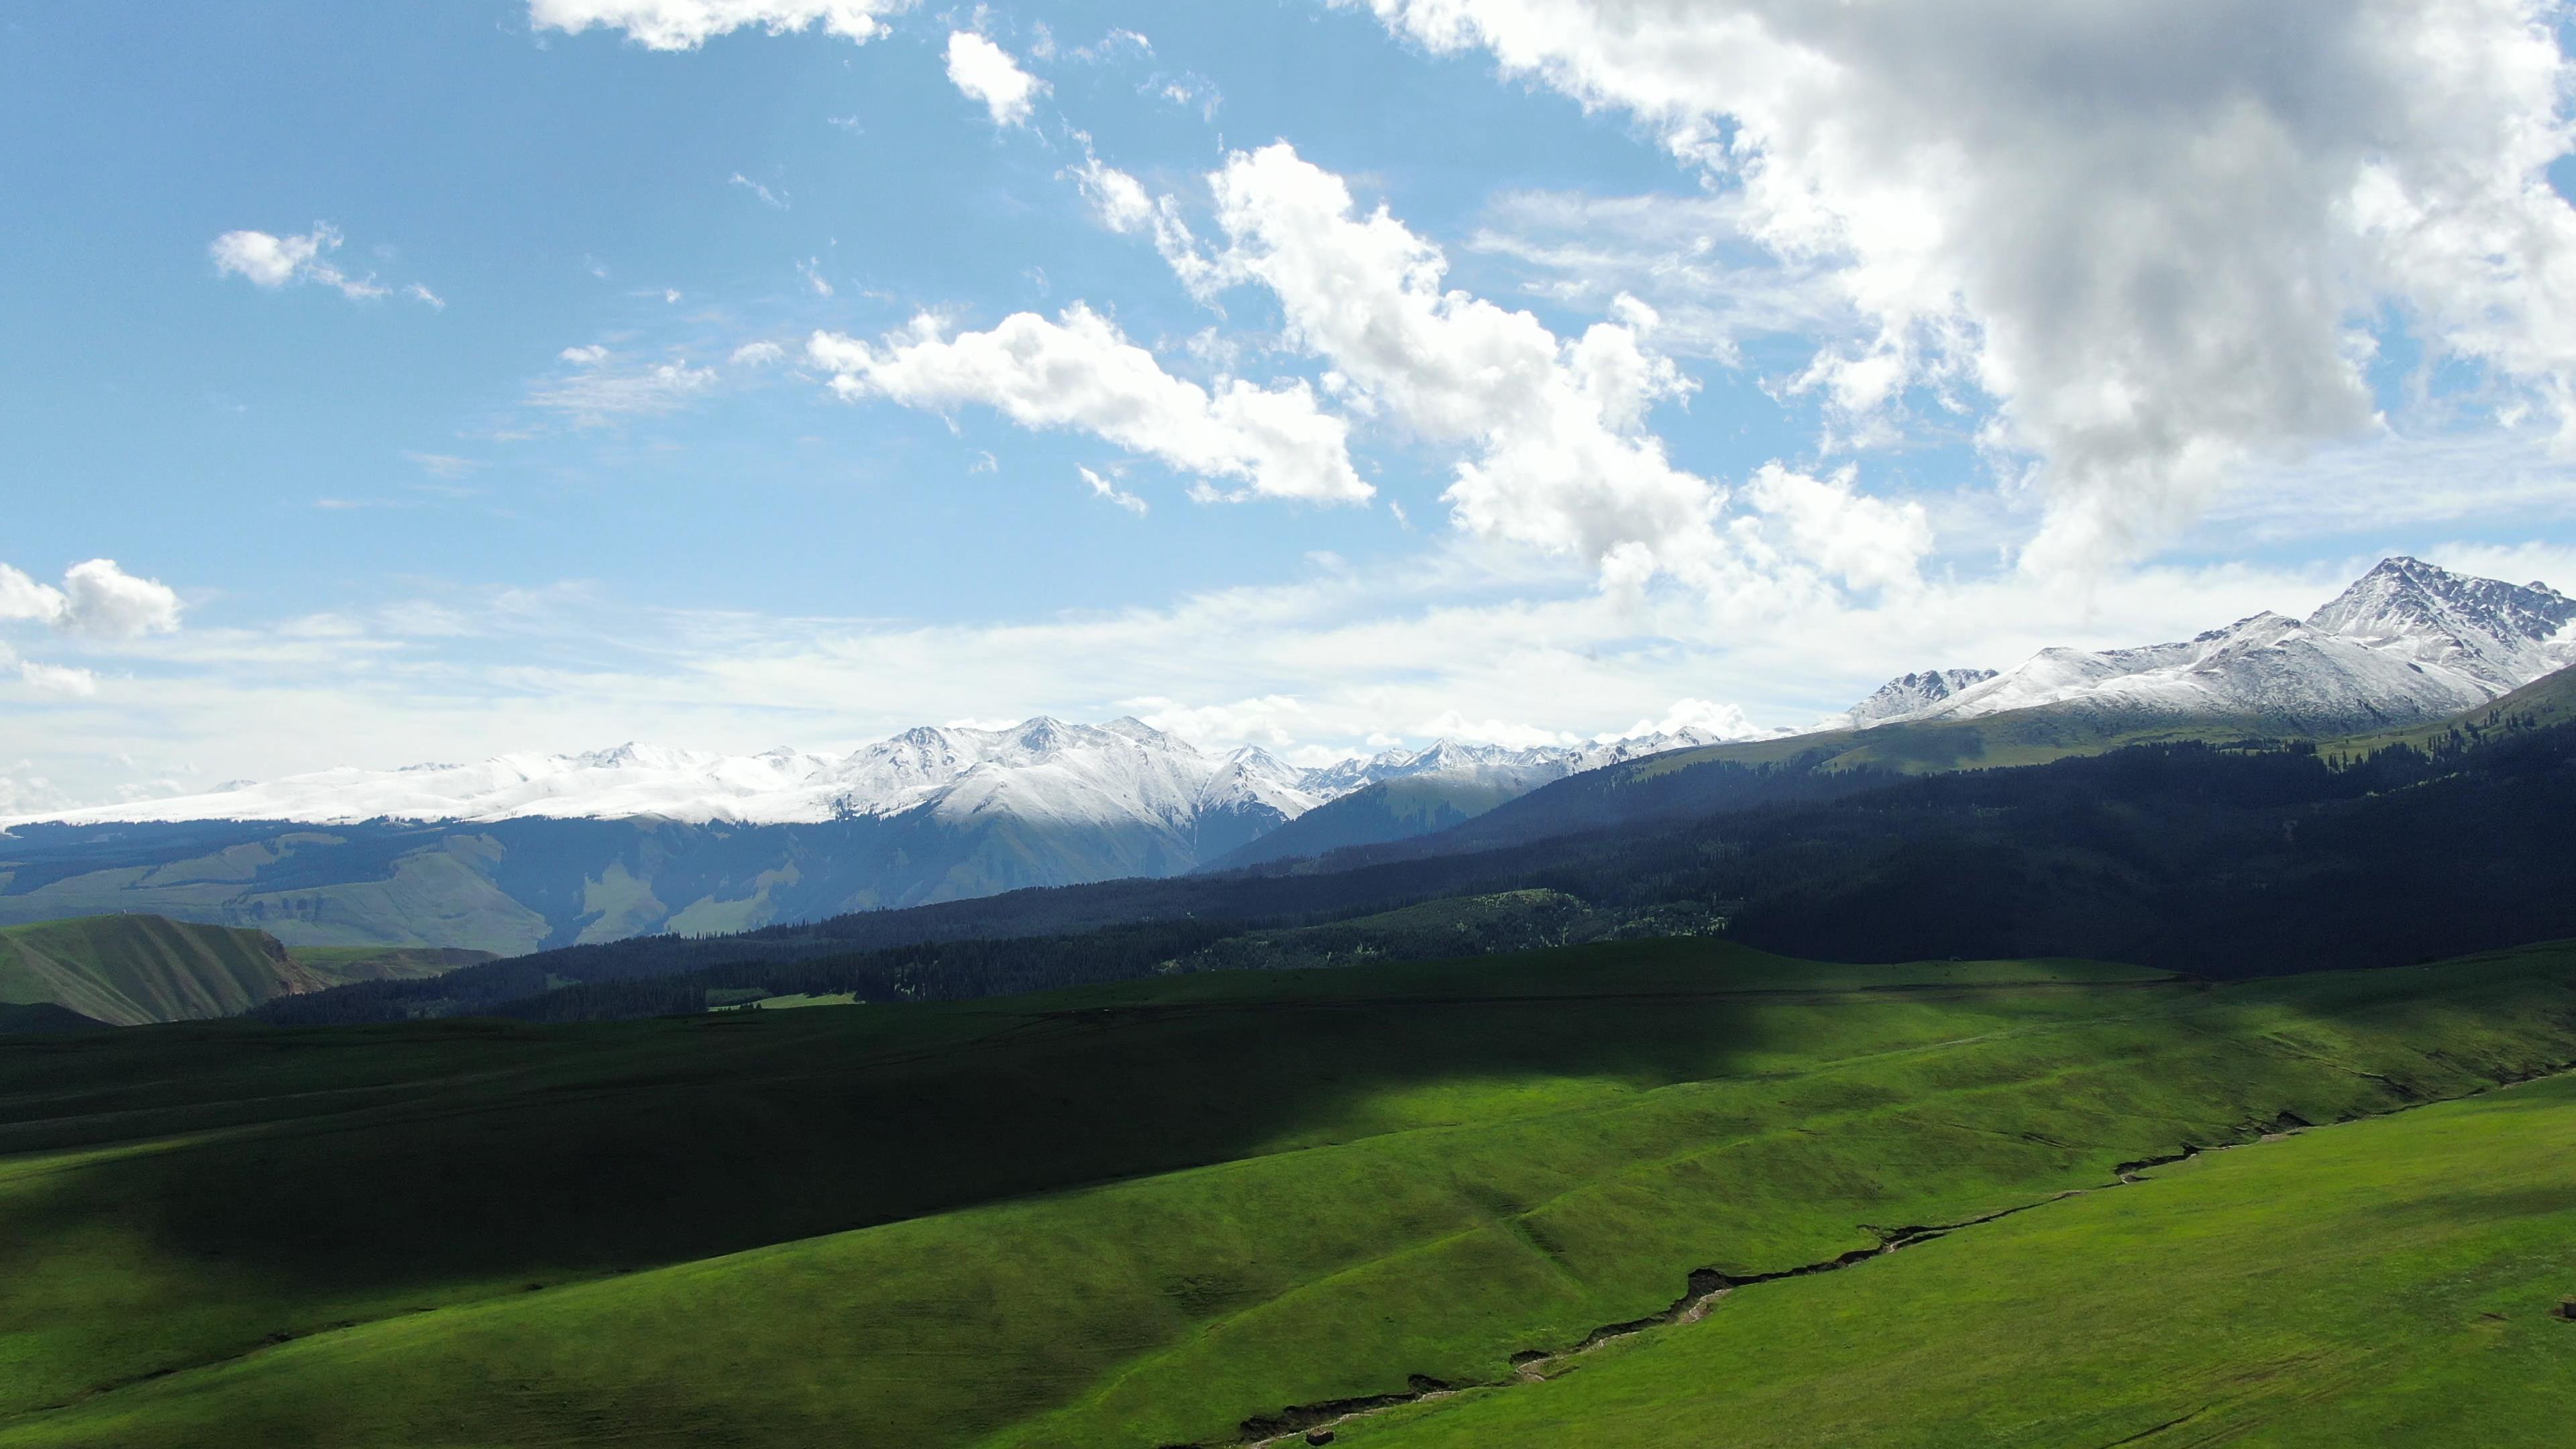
[[2156, 237]]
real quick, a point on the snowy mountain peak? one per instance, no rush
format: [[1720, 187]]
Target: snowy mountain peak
[[1907, 695], [2496, 631], [2408, 641]]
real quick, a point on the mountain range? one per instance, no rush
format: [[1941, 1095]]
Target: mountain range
[[525, 851]]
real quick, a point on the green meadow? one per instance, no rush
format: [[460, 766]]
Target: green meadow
[[2391, 1282], [1176, 1211]]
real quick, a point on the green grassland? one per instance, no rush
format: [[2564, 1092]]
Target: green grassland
[[127, 970], [1131, 1215], [2395, 1282]]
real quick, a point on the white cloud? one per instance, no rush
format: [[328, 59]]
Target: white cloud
[[103, 601], [1687, 256], [1270, 720], [58, 679], [1108, 46], [811, 269], [22, 598], [444, 465], [1103, 488], [759, 354], [276, 261], [425, 296], [1123, 206], [1722, 720], [1868, 542], [1563, 461], [590, 356], [1118, 199], [97, 600], [775, 199], [598, 393], [2150, 234], [985, 72], [1079, 372], [688, 24], [1449, 724]]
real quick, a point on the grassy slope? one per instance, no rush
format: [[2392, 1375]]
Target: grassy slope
[[2015, 737], [2545, 702], [344, 964], [2389, 1282], [127, 970], [1131, 1215]]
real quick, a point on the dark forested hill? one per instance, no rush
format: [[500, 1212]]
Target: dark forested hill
[[2215, 861]]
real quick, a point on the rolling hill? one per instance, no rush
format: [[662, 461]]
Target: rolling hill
[[1210, 1209], [127, 970]]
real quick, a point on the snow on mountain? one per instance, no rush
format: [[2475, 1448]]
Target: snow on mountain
[[2406, 642], [1509, 770], [1042, 771], [1906, 696]]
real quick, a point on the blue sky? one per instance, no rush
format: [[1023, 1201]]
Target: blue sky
[[539, 447]]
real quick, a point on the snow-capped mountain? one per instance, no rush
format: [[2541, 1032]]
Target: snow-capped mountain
[[523, 851], [1043, 771], [1515, 771], [1905, 697], [2406, 642]]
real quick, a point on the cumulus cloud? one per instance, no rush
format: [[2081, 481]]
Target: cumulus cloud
[[22, 598], [97, 600], [1868, 542], [985, 72], [589, 356], [688, 24], [103, 601], [276, 261], [1561, 457], [758, 354], [2151, 235], [1077, 371]]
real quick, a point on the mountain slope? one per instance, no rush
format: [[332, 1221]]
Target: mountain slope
[[1373, 815], [2407, 642], [129, 970]]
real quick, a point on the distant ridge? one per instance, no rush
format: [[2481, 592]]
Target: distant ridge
[[525, 853], [130, 970]]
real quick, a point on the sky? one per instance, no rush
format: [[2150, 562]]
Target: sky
[[393, 384]]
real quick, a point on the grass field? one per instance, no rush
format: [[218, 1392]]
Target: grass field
[[2390, 1282], [125, 970], [1134, 1215], [128, 969]]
